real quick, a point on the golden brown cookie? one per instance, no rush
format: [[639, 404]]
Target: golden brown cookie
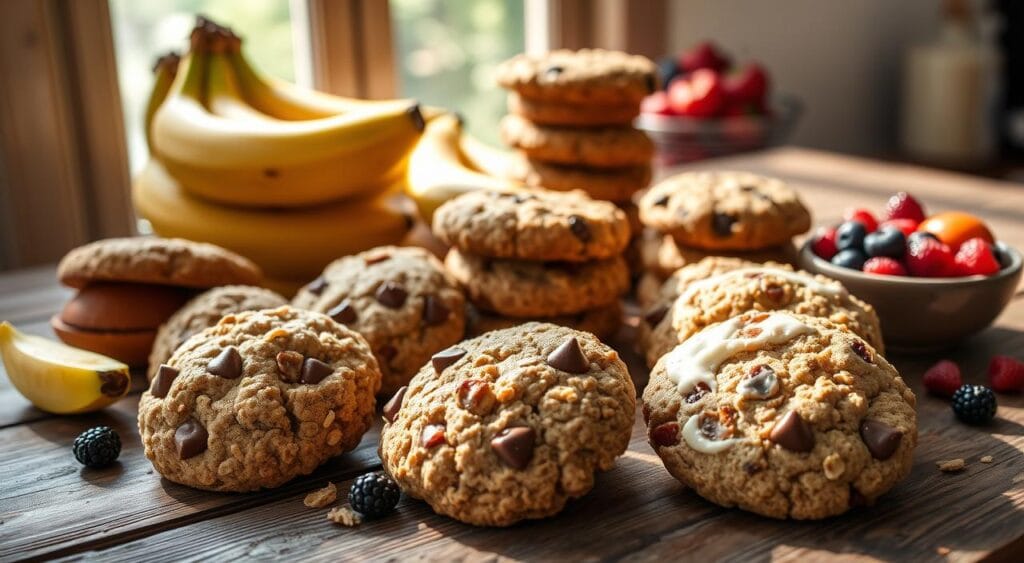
[[784, 415], [596, 147], [602, 322], [586, 76], [572, 114], [661, 255], [510, 425], [610, 184]]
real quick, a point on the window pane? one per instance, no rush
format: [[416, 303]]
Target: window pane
[[145, 30], [447, 52]]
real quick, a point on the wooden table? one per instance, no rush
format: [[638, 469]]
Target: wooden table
[[50, 507]]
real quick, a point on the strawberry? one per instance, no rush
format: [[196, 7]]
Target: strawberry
[[904, 206], [824, 245], [1006, 374], [975, 257], [747, 88], [906, 226], [943, 378], [884, 266], [699, 95], [862, 216], [929, 258], [704, 55], [656, 103]]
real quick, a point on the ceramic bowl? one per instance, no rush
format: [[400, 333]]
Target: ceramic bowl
[[926, 314]]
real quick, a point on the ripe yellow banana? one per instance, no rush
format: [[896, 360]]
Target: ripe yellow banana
[[288, 244], [439, 169], [283, 163], [164, 70], [58, 378], [223, 95]]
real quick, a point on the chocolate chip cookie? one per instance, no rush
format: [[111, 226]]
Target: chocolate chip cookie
[[725, 210], [400, 299], [761, 288], [510, 425], [538, 225], [257, 399], [784, 415], [602, 322], [572, 114], [202, 312], [586, 76], [519, 288], [610, 184], [597, 147]]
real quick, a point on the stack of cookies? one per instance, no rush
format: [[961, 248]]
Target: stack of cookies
[[537, 255], [693, 215], [570, 119]]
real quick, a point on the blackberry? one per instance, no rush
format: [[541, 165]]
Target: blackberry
[[374, 494], [974, 404], [97, 447]]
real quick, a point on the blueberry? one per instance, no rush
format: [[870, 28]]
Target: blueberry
[[887, 242], [850, 235], [850, 258], [668, 68]]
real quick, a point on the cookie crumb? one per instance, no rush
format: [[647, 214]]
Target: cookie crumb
[[951, 465], [322, 497], [345, 516], [986, 459], [943, 551]]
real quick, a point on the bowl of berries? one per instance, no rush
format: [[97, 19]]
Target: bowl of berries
[[710, 108], [934, 280]]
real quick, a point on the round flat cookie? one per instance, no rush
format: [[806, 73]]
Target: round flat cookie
[[202, 312], [537, 225], [572, 114], [258, 399], [602, 322], [519, 288], [760, 288], [596, 147], [510, 425], [163, 261], [400, 299], [725, 210], [661, 255], [586, 76], [784, 415], [610, 184]]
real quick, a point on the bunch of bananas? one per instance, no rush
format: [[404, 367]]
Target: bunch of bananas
[[289, 177]]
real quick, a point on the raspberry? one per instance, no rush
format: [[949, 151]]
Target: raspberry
[[906, 226], [884, 266], [974, 404], [1006, 374], [97, 447], [824, 245], [904, 206], [975, 257], [943, 378], [862, 216], [929, 258], [374, 494]]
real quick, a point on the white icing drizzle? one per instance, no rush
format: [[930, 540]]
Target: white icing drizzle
[[701, 443], [697, 359], [834, 289]]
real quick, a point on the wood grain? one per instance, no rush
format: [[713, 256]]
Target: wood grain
[[51, 507]]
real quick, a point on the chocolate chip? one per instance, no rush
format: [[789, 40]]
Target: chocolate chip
[[343, 312], [289, 363], [432, 435], [391, 294], [227, 364], [699, 390], [760, 383], [861, 350], [881, 439], [317, 286], [661, 201], [793, 433], [113, 383], [190, 439], [656, 314], [445, 358], [774, 292], [387, 352], [435, 312], [722, 224], [314, 371], [752, 468], [375, 258], [553, 72], [165, 375], [514, 446], [665, 435], [748, 188], [271, 173], [394, 404], [578, 226], [569, 357]]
